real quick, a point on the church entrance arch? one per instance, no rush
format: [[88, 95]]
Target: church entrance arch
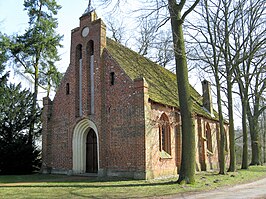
[[85, 148], [91, 152]]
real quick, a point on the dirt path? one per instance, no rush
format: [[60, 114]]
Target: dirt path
[[253, 190]]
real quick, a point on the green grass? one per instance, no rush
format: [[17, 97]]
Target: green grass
[[60, 186]]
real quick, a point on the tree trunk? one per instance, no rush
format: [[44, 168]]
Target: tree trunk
[[264, 136], [255, 146], [187, 170], [229, 71], [245, 134], [222, 138], [232, 166], [34, 104], [244, 101]]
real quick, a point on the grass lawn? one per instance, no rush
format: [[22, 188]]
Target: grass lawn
[[60, 186]]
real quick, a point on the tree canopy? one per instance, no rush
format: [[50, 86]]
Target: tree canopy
[[16, 156]]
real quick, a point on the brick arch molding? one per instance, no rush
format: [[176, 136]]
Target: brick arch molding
[[79, 145]]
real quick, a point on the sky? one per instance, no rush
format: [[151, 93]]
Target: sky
[[13, 19]]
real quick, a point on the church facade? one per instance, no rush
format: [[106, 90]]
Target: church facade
[[116, 113]]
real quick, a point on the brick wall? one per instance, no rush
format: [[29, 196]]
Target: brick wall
[[60, 125], [208, 160], [127, 121], [124, 121], [119, 110], [156, 164]]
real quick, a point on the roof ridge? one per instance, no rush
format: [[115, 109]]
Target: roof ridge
[[162, 82]]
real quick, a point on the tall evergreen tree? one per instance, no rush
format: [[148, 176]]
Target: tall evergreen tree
[[3, 59], [35, 52], [16, 156]]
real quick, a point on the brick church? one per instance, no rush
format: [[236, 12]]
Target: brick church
[[116, 113]]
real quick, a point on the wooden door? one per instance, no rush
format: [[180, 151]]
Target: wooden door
[[91, 153]]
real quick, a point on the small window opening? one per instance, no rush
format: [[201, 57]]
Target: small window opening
[[209, 138], [112, 78], [225, 140], [91, 47], [163, 132], [67, 89], [164, 135], [80, 52]]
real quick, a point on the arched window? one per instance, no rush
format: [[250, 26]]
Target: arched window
[[78, 52], [225, 141], [67, 89], [112, 78], [164, 134], [90, 48], [208, 137]]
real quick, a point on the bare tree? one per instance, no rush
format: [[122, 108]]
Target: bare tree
[[225, 48], [165, 50], [187, 170], [177, 14], [228, 37], [264, 132], [117, 30], [154, 44], [250, 72], [210, 43], [146, 37]]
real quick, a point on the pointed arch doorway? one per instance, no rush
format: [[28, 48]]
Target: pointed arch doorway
[[91, 152], [85, 148]]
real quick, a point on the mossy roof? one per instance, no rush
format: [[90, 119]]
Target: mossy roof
[[162, 82]]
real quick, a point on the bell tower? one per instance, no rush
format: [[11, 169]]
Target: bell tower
[[87, 44]]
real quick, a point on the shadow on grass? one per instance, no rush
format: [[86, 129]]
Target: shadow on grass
[[88, 185], [256, 168], [41, 180]]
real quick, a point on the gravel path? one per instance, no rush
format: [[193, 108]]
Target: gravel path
[[252, 190]]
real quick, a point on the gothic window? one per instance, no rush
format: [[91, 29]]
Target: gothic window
[[164, 134], [112, 78], [79, 52], [225, 141], [67, 89], [90, 48], [209, 138]]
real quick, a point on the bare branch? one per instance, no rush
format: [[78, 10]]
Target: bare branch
[[189, 10]]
